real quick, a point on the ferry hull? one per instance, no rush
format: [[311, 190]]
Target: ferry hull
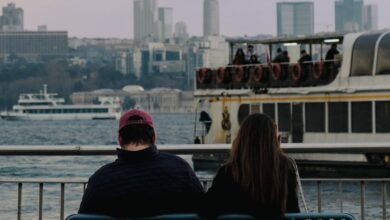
[[312, 165], [58, 117]]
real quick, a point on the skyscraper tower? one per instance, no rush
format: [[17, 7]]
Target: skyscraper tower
[[370, 17], [210, 17], [145, 19], [165, 23], [12, 19], [181, 30], [295, 18], [349, 15]]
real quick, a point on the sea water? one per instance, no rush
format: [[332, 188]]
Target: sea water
[[170, 128]]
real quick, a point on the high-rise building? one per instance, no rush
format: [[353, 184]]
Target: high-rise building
[[370, 17], [165, 23], [12, 18], [145, 19], [295, 18], [210, 51], [349, 15], [33, 45], [211, 18], [181, 30]]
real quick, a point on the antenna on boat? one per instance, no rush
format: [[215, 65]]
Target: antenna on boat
[[44, 89]]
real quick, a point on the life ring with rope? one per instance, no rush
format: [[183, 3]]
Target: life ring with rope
[[318, 71], [238, 73], [257, 74], [201, 75], [220, 75], [297, 72], [276, 71]]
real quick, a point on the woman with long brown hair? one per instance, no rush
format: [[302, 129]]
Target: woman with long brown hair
[[258, 179]]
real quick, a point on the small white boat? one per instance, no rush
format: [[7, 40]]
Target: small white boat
[[48, 106]]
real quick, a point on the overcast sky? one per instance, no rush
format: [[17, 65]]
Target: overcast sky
[[114, 18]]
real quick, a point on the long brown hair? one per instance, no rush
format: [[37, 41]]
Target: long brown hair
[[258, 164]]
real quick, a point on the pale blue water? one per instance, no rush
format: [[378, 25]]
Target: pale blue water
[[171, 128]]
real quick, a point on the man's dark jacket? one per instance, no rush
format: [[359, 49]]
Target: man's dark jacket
[[142, 183]]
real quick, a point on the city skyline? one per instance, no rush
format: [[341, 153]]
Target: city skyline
[[258, 18]]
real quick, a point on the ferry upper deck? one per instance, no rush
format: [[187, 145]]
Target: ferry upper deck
[[363, 64]]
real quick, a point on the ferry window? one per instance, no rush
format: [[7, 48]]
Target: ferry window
[[269, 109], [383, 66], [284, 116], [338, 117], [315, 117], [382, 116], [361, 117], [363, 55], [255, 108], [243, 112]]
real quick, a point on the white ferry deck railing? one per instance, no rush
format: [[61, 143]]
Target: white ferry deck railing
[[77, 150], [265, 64]]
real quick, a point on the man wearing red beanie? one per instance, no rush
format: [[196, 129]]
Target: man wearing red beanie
[[142, 181]]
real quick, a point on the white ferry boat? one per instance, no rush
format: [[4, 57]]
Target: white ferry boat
[[48, 106], [342, 100]]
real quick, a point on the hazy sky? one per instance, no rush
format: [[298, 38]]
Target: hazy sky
[[114, 18]]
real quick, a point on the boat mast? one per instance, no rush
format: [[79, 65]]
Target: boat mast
[[44, 89]]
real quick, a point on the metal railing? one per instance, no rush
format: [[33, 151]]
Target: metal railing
[[78, 150], [362, 183], [75, 150], [206, 182]]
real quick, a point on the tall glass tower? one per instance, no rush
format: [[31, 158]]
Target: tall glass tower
[[295, 18], [211, 18], [165, 23], [145, 19], [12, 19], [349, 15]]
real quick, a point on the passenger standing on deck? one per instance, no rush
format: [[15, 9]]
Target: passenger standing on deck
[[250, 51], [331, 52], [330, 62], [254, 60], [258, 179], [305, 58], [142, 181], [306, 62], [279, 56], [239, 58]]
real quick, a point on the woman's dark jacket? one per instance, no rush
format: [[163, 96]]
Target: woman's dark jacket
[[227, 196]]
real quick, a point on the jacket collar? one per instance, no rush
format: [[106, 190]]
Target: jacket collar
[[137, 155]]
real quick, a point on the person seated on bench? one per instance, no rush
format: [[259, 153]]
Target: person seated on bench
[[142, 181], [258, 179]]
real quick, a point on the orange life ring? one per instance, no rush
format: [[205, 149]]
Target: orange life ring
[[238, 73], [276, 71], [257, 73], [318, 70], [296, 72], [201, 75], [220, 74]]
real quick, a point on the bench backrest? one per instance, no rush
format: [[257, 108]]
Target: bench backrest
[[289, 216]]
